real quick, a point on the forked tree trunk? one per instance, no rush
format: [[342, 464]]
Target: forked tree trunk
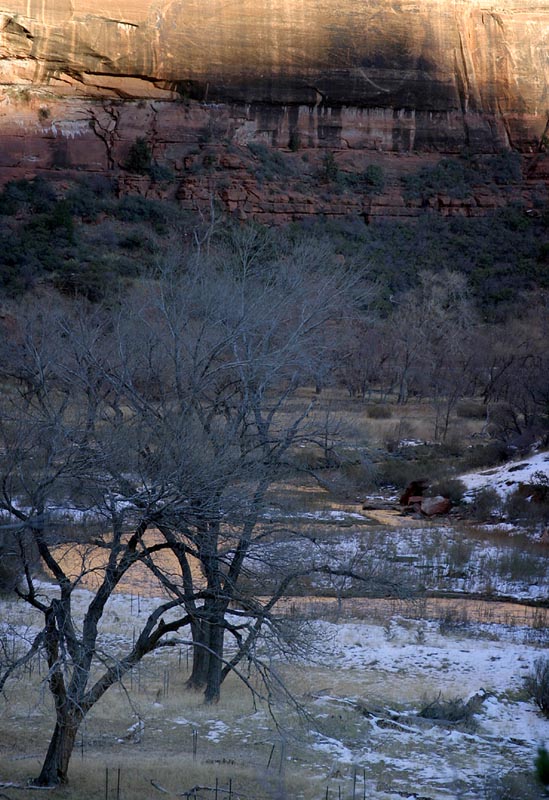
[[207, 665], [56, 764]]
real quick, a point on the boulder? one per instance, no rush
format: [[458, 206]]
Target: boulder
[[414, 491], [433, 506]]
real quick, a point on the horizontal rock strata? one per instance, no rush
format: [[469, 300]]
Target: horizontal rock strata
[[393, 74]]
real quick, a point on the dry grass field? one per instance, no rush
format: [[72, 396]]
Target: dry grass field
[[365, 672], [357, 730]]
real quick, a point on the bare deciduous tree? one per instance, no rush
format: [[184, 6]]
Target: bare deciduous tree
[[159, 425], [433, 328], [514, 369]]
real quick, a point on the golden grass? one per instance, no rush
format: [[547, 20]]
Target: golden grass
[[156, 693], [164, 752], [260, 760], [412, 420]]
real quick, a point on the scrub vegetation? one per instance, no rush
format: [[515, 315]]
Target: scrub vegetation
[[212, 422]]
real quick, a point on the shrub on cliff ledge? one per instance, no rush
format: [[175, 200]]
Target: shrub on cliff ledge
[[450, 176], [273, 162], [329, 172], [139, 158], [36, 195], [135, 208], [456, 176], [374, 178]]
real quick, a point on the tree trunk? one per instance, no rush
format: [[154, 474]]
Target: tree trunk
[[201, 655], [56, 764], [215, 667], [207, 664], [403, 388]]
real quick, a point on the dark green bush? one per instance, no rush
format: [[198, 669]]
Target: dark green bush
[[90, 196], [36, 245], [541, 763], [16, 274], [135, 208], [92, 280], [485, 455], [502, 168], [329, 172], [452, 447], [8, 204], [273, 161], [48, 236], [37, 194], [160, 173], [457, 176], [450, 176], [137, 240], [497, 256], [139, 158], [294, 142], [374, 178]]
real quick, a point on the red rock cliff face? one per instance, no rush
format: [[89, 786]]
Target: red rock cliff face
[[385, 74]]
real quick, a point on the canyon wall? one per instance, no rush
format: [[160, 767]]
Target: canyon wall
[[397, 75]]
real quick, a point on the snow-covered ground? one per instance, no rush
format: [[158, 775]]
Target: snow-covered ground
[[507, 477], [364, 684], [401, 667]]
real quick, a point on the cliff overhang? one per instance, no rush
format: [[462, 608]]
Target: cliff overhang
[[437, 74]]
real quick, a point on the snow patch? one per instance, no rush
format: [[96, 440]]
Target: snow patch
[[506, 478]]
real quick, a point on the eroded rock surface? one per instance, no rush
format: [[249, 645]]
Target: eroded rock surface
[[388, 74], [219, 153]]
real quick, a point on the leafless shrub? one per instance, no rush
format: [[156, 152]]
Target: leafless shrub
[[453, 620], [471, 409], [519, 565], [537, 683], [379, 412], [485, 502], [452, 488], [459, 554], [452, 710]]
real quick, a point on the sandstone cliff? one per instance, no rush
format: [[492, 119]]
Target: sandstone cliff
[[396, 75]]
